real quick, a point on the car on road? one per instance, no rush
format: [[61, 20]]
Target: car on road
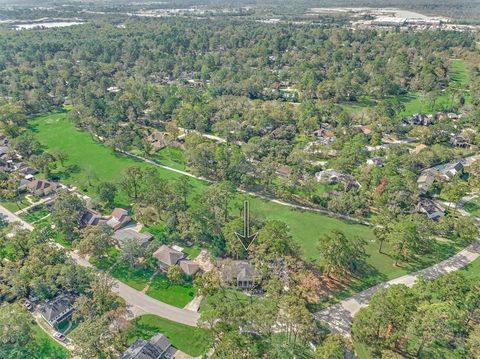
[[60, 337]]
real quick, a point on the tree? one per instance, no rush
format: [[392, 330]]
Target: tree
[[383, 323], [44, 162], [60, 156], [403, 239], [107, 192], [334, 347], [131, 252], [95, 240], [131, 181], [175, 274], [341, 254], [67, 214], [92, 337], [16, 332]]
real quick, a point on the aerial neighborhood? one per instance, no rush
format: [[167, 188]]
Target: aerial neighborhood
[[228, 180]]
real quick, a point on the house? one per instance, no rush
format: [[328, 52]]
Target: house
[[432, 209], [6, 165], [26, 170], [122, 236], [284, 171], [426, 178], [113, 89], [451, 170], [92, 218], [58, 309], [157, 140], [40, 188], [330, 176], [158, 347], [240, 274], [418, 119], [118, 219], [189, 267], [168, 256], [459, 141], [376, 161], [452, 116], [4, 151]]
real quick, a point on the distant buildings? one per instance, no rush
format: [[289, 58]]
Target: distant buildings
[[123, 236], [331, 176], [40, 188], [157, 140], [158, 347], [118, 218]]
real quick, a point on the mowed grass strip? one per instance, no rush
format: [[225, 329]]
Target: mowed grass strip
[[178, 295], [190, 340]]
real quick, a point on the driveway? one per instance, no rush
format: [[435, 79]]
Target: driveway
[[137, 302], [339, 316]]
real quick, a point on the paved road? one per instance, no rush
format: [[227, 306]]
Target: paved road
[[138, 302], [339, 316]]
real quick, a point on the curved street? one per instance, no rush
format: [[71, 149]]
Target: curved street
[[339, 316], [137, 302]]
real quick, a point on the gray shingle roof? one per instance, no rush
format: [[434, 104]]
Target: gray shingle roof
[[158, 347]]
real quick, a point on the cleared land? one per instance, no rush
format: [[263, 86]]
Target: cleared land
[[91, 163]]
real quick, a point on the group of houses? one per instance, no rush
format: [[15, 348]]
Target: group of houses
[[419, 119]]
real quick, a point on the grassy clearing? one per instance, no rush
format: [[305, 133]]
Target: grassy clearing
[[35, 214], [472, 270], [192, 251], [47, 348], [13, 206], [178, 295], [473, 207], [193, 341], [105, 263], [136, 278]]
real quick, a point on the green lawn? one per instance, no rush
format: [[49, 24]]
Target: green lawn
[[193, 341], [473, 207], [165, 291], [48, 348], [192, 251], [472, 270], [34, 214], [105, 263], [134, 277], [13, 206], [89, 163]]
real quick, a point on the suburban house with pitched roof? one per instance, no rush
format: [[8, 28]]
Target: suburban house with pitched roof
[[122, 236], [157, 140], [158, 347], [168, 257], [58, 309], [40, 188], [240, 274], [119, 218]]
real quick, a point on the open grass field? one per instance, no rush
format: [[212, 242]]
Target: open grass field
[[91, 161], [178, 295], [136, 278], [193, 341], [47, 348], [13, 206]]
